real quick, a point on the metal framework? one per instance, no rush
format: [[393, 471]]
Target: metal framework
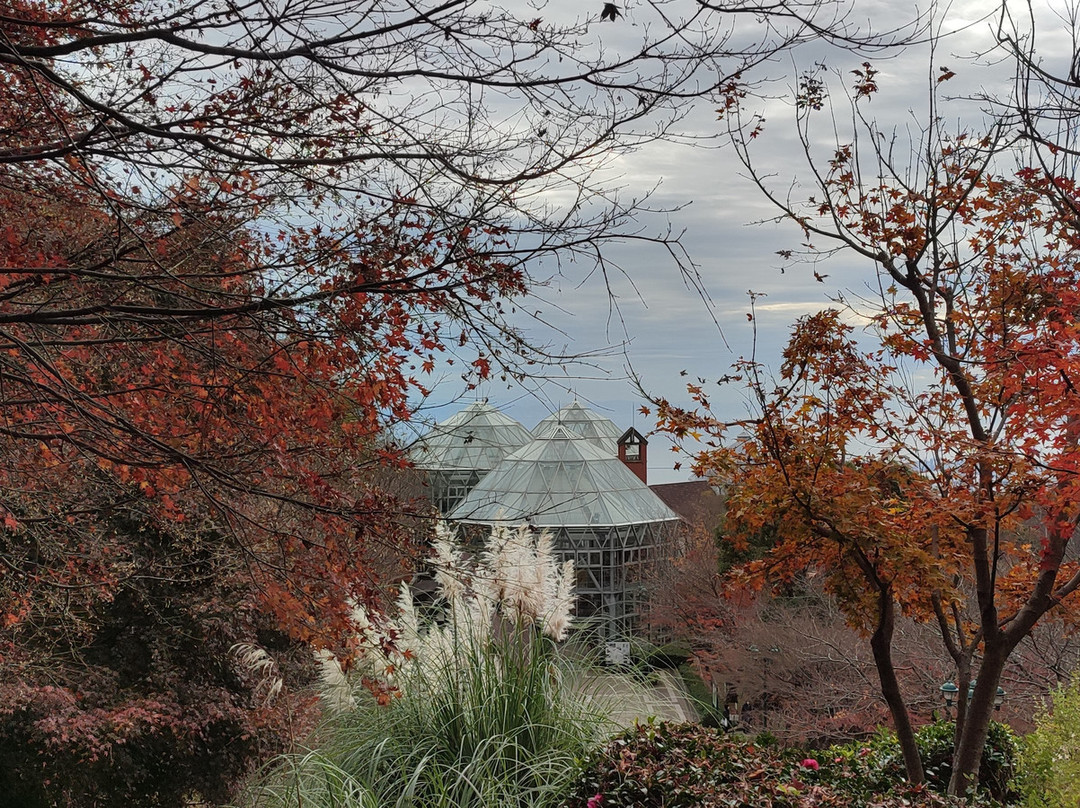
[[448, 488], [602, 516], [584, 423], [611, 565], [458, 452]]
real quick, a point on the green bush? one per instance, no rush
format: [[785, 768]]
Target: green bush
[[670, 656], [686, 766], [701, 696], [869, 766], [647, 658], [1049, 767], [996, 769], [878, 762]]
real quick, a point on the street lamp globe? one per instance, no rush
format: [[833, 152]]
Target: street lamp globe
[[949, 691]]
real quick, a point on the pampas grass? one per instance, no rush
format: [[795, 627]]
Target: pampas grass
[[483, 714], [255, 660], [335, 689]]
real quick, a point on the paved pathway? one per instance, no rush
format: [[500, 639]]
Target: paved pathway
[[663, 698]]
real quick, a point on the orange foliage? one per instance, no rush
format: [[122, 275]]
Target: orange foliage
[[910, 472]]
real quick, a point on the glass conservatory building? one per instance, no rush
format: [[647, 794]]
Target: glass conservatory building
[[460, 451], [602, 516]]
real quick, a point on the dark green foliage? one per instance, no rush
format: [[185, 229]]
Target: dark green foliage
[[730, 555], [996, 769], [669, 656], [685, 766], [866, 767], [701, 696], [766, 739], [873, 765]]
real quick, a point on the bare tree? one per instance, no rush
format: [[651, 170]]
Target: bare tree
[[1045, 100]]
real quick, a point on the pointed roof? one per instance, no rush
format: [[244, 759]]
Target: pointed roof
[[583, 422], [476, 438], [562, 480]]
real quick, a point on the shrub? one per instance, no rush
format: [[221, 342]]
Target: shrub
[[669, 656], [877, 763], [701, 696], [155, 711], [673, 765], [996, 769], [1049, 767], [482, 713], [685, 766], [869, 766]]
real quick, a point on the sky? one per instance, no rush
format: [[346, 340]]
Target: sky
[[663, 325]]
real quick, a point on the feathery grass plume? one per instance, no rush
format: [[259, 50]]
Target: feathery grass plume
[[256, 660], [484, 717], [335, 690], [374, 657], [408, 623], [499, 582], [547, 570], [528, 584], [533, 568], [448, 564], [561, 603]]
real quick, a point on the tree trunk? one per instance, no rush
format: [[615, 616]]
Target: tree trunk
[[881, 644], [972, 737]]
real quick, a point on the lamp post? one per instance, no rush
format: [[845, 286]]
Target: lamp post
[[950, 692]]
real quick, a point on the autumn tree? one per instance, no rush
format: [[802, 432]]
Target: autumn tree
[[178, 505], [238, 240], [928, 465]]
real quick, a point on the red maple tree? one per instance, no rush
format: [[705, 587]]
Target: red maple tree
[[172, 487], [932, 471], [195, 399], [236, 242]]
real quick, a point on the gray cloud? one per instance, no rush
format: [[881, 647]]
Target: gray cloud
[[651, 320]]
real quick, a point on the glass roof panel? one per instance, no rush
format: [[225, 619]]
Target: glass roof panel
[[582, 422], [478, 437], [562, 480]]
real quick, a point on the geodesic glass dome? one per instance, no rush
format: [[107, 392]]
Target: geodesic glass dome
[[584, 423], [602, 516], [457, 453]]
